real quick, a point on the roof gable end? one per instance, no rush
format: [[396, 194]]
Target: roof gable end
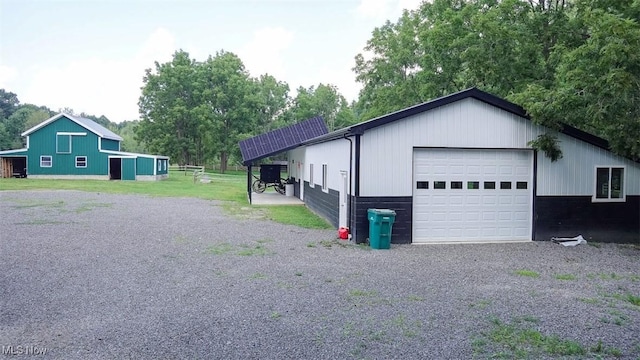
[[448, 99], [88, 124]]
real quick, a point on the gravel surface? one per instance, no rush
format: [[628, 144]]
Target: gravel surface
[[104, 276]]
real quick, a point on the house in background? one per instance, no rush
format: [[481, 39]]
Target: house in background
[[71, 147], [459, 169]]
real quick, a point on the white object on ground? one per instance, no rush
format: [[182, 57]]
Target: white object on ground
[[569, 241]]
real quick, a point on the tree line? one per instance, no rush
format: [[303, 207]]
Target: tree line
[[197, 111], [575, 62], [570, 62], [16, 118]]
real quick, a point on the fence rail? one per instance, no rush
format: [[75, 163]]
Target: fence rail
[[234, 167]]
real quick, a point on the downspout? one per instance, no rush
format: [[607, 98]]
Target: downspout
[[357, 173], [249, 182], [350, 178]]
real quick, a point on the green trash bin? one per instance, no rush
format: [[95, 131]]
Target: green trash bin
[[380, 224]]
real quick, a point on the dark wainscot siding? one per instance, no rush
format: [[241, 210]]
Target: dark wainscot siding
[[322, 203], [402, 205], [568, 216], [296, 189]]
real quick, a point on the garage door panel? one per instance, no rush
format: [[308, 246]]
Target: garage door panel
[[506, 170], [489, 200], [484, 195]]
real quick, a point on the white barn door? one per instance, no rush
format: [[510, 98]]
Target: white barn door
[[472, 195]]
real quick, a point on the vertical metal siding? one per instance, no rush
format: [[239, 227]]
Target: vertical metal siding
[[574, 174], [333, 153], [144, 165], [297, 156], [386, 160], [43, 142], [108, 144]]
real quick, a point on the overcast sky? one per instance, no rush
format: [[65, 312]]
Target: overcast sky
[[90, 55]]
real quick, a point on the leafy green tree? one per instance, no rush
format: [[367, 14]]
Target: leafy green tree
[[25, 117], [272, 98], [8, 103], [6, 142], [169, 109], [572, 61], [227, 106], [597, 85], [325, 101], [130, 143], [389, 75]]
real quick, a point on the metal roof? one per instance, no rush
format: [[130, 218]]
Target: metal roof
[[88, 124], [273, 142]]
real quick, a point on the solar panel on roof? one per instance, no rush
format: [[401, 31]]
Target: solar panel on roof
[[279, 140]]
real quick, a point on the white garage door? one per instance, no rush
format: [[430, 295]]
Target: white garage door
[[472, 195]]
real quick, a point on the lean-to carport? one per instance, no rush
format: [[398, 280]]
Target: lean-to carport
[[277, 141]]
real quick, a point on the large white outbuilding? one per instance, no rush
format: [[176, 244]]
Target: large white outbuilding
[[460, 169]]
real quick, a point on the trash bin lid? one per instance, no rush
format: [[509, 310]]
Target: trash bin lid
[[382, 211]]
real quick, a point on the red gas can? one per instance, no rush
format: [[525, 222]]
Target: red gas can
[[343, 233]]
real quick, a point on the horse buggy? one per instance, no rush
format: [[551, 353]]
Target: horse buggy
[[269, 177]]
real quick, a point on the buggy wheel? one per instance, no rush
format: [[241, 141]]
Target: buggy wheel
[[280, 187], [259, 186]]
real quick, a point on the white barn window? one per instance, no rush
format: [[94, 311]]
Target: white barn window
[[311, 175], [324, 177], [609, 184], [46, 161], [81, 161]]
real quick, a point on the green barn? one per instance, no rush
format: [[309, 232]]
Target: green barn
[[71, 147]]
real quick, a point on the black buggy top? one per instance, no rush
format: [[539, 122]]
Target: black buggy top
[[270, 173]]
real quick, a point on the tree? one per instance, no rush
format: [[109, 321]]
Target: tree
[[127, 130], [168, 110], [228, 104], [389, 76], [8, 103], [572, 61], [25, 117], [272, 98], [325, 101], [597, 85]]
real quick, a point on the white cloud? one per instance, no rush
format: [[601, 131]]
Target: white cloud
[[7, 75], [264, 53], [100, 86]]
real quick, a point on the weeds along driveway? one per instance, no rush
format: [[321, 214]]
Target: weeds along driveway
[[103, 276]]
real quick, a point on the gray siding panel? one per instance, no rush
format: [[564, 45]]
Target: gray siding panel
[[324, 204], [387, 151], [574, 174], [386, 168]]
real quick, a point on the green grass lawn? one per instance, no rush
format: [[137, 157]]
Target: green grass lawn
[[230, 187]]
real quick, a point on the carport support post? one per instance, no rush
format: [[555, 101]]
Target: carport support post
[[249, 182]]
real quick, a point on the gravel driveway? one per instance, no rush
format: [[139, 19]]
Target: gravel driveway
[[103, 276]]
